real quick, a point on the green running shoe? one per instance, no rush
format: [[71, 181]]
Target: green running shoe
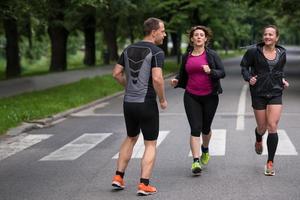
[[196, 168], [204, 158]]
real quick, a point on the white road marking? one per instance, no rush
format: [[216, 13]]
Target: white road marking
[[285, 145], [77, 147], [240, 121], [11, 146], [217, 146], [90, 111], [139, 147]]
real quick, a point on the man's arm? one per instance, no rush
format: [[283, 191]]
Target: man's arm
[[118, 74], [158, 84]]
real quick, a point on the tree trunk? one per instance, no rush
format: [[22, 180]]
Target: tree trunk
[[58, 36], [178, 46], [110, 37], [13, 67], [89, 30], [130, 22], [174, 38], [28, 34]]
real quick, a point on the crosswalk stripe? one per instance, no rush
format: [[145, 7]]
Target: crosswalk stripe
[[139, 147], [285, 146], [217, 145], [77, 147], [240, 120], [87, 141], [14, 145]]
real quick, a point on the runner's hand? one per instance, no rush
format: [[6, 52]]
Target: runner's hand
[[163, 104], [253, 80], [174, 82], [206, 69], [285, 83]]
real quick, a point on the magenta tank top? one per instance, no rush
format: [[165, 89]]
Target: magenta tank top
[[199, 83]]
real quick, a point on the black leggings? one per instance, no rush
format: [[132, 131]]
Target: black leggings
[[200, 111]]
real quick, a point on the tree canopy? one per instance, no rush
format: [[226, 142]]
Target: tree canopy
[[235, 23]]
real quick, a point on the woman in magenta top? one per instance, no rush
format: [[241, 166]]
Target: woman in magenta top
[[200, 74]]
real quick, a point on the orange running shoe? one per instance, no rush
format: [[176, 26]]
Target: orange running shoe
[[144, 190], [269, 170], [258, 147], [118, 182]]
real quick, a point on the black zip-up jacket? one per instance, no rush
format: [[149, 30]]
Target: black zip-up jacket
[[217, 71], [269, 81]]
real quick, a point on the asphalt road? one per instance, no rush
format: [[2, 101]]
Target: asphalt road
[[75, 158]]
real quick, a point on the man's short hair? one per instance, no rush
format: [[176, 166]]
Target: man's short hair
[[151, 24]]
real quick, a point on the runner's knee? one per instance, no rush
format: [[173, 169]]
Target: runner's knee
[[206, 131], [272, 127], [261, 128], [132, 140]]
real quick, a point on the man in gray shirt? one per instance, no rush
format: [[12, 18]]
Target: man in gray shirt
[[139, 70]]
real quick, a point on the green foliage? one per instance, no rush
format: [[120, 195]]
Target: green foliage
[[235, 23], [176, 13], [75, 42], [13, 8], [131, 17], [170, 67]]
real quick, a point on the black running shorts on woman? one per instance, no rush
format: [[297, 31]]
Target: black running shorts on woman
[[140, 107], [260, 102]]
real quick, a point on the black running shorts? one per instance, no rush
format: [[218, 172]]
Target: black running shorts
[[142, 117], [260, 103]]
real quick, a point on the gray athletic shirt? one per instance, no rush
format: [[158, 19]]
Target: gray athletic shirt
[[138, 60]]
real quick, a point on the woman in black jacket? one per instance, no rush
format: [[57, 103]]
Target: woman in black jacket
[[262, 66], [200, 74]]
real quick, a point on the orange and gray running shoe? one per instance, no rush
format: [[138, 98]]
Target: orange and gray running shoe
[[144, 190], [269, 170], [258, 147], [118, 182]]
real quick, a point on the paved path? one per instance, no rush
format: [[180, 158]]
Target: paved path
[[28, 84]]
